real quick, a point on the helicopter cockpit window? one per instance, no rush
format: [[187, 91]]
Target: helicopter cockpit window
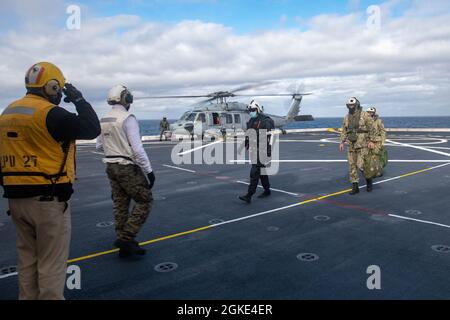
[[216, 119], [201, 117], [229, 119], [237, 118], [191, 117], [185, 115]]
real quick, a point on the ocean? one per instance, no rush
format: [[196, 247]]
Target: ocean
[[151, 127]]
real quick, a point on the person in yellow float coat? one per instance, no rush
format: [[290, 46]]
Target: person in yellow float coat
[[37, 153]]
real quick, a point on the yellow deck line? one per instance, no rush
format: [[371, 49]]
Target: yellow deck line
[[175, 235], [94, 255]]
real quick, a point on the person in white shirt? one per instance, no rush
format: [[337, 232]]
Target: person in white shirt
[[127, 166]]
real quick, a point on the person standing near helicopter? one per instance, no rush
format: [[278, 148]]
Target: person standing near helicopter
[[259, 125]]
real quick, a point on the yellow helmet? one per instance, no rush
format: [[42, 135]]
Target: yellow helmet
[[41, 73]]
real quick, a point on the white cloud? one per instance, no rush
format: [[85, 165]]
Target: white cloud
[[404, 68]]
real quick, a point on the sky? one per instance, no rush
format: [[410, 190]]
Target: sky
[[391, 54]]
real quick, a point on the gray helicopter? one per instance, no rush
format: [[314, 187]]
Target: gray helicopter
[[217, 116]]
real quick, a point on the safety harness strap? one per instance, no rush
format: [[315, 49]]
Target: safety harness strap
[[122, 157]]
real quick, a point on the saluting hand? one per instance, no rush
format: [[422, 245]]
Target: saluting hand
[[72, 93]]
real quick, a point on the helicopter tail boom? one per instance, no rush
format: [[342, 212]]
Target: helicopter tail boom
[[295, 107]]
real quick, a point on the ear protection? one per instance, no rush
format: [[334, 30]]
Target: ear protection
[[52, 88], [127, 97]]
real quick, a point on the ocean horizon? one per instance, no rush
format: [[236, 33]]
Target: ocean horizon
[[151, 126]]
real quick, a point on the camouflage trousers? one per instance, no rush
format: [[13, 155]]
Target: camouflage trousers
[[356, 162], [128, 182]]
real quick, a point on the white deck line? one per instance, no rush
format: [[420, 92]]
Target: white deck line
[[272, 189], [178, 168], [343, 160], [323, 197], [9, 275], [419, 148], [318, 199], [156, 137], [199, 147], [418, 220]]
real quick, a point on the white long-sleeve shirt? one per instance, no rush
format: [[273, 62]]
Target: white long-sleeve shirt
[[131, 128]]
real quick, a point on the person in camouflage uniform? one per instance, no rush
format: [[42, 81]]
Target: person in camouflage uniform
[[127, 165], [129, 182], [380, 131], [163, 127], [358, 131]]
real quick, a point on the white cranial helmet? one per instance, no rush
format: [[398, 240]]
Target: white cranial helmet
[[371, 109], [255, 105], [353, 102], [118, 94]]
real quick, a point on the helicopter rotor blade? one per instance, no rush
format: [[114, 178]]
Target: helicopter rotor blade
[[252, 86], [201, 103], [273, 95], [171, 97]]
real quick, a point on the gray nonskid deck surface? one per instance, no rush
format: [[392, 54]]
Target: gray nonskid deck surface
[[256, 257]]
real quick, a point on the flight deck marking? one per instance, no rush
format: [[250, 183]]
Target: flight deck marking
[[418, 220], [307, 257], [8, 272], [440, 148], [322, 218], [198, 148], [105, 224], [165, 267], [441, 248], [272, 189], [98, 254], [342, 161], [419, 148], [182, 169], [317, 199], [393, 144]]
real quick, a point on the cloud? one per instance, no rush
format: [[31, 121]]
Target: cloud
[[402, 69]]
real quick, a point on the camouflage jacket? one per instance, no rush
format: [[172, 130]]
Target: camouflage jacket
[[380, 131], [365, 133], [164, 125]]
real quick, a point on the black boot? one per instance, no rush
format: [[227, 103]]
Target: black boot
[[124, 253], [265, 194], [118, 243], [130, 247], [369, 185], [247, 198], [355, 189]]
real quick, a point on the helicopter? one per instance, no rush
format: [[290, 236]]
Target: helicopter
[[218, 116]]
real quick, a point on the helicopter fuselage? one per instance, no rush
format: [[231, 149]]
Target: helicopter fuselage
[[232, 116]]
